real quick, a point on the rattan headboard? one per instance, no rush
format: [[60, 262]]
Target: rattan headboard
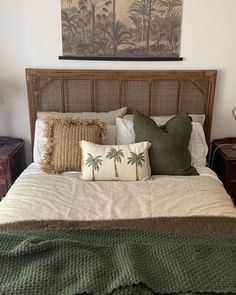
[[151, 92]]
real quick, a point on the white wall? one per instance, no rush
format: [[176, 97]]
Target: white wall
[[30, 36]]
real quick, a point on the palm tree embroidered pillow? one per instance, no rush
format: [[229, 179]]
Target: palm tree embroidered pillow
[[115, 162]]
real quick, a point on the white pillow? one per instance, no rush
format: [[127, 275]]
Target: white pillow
[[107, 117], [161, 120], [124, 131], [115, 162], [197, 145], [40, 140]]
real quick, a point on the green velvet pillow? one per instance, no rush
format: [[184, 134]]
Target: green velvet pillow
[[169, 153]]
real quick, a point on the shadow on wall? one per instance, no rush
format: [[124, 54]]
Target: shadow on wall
[[8, 89], [223, 107], [11, 93], [5, 121]]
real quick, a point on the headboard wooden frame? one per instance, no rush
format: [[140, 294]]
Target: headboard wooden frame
[[151, 92]]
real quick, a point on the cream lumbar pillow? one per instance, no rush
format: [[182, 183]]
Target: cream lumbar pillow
[[63, 136], [115, 162]]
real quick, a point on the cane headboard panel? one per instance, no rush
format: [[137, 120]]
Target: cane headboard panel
[[151, 92]]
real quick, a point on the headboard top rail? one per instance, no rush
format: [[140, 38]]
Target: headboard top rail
[[151, 92]]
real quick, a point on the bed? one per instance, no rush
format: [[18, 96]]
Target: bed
[[171, 234]]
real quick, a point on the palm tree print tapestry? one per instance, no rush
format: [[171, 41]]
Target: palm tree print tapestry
[[121, 28]]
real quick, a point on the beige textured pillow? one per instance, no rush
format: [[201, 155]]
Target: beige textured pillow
[[107, 117], [115, 162], [62, 151]]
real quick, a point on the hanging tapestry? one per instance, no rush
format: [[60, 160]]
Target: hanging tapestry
[[121, 29]]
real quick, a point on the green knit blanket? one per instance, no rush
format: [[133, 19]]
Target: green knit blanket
[[115, 261]]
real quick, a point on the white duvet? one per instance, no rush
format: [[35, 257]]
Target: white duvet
[[37, 195]]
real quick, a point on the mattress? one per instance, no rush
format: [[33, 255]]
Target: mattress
[[38, 196]]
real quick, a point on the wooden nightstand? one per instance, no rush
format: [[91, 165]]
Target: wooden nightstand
[[11, 155], [224, 164]]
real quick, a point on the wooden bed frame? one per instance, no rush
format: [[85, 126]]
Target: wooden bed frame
[[150, 92]]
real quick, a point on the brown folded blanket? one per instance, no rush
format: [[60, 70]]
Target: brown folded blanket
[[195, 224]]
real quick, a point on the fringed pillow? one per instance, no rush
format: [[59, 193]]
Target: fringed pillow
[[62, 152]]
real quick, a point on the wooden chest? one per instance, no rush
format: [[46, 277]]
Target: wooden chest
[[224, 163], [11, 162]]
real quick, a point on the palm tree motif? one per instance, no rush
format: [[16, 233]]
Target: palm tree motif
[[118, 36], [117, 156], [151, 9], [102, 39], [170, 6], [94, 162], [69, 22], [138, 14], [69, 2], [136, 159], [172, 11], [114, 28]]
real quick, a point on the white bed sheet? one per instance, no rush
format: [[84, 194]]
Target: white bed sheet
[[37, 195]]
